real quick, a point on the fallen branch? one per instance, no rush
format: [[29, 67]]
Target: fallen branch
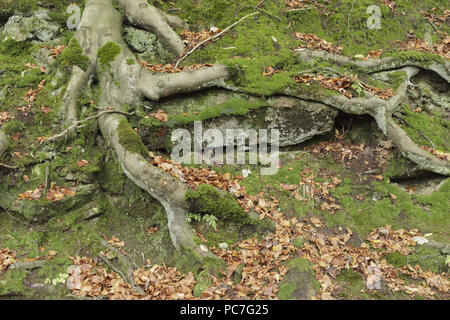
[[213, 38], [7, 166], [29, 265], [77, 124], [17, 219]]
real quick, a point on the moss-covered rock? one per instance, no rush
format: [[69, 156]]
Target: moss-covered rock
[[209, 200], [38, 26], [299, 283]]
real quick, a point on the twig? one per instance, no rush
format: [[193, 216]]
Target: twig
[[424, 258], [118, 271], [7, 166], [299, 9], [212, 39], [9, 214], [428, 139], [348, 17], [45, 181], [264, 11], [76, 124]]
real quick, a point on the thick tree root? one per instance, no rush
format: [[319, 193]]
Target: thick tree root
[[143, 15], [3, 142], [123, 83], [77, 82], [376, 65], [381, 110]]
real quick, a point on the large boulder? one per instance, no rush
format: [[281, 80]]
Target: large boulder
[[297, 120], [38, 26]]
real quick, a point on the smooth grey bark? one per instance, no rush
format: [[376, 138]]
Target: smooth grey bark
[[123, 83]]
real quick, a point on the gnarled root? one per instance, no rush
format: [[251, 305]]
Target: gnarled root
[[125, 83], [381, 110], [143, 15], [376, 65]]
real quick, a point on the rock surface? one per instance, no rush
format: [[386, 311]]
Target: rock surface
[[38, 26], [297, 120]]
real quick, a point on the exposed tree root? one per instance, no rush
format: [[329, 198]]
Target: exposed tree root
[[376, 65], [77, 82], [381, 110], [143, 15], [123, 83]]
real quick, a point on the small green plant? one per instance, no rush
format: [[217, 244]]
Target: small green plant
[[210, 220]]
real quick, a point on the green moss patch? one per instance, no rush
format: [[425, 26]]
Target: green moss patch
[[107, 53], [73, 55], [129, 139]]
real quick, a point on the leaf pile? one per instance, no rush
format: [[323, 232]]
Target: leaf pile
[[5, 116], [31, 94], [359, 157], [192, 39], [170, 68], [341, 85], [54, 193], [375, 54], [56, 51], [160, 115], [435, 19], [393, 241], [437, 153], [333, 253], [6, 258], [391, 5], [309, 189], [88, 278], [314, 42], [442, 49]]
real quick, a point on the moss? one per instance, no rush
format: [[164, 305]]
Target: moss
[[107, 53], [15, 48], [418, 56], [299, 242], [12, 283], [299, 282], [434, 126], [208, 200], [204, 281], [129, 139], [396, 259], [73, 55], [130, 61], [13, 127]]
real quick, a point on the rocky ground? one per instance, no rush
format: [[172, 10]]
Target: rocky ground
[[354, 212]]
